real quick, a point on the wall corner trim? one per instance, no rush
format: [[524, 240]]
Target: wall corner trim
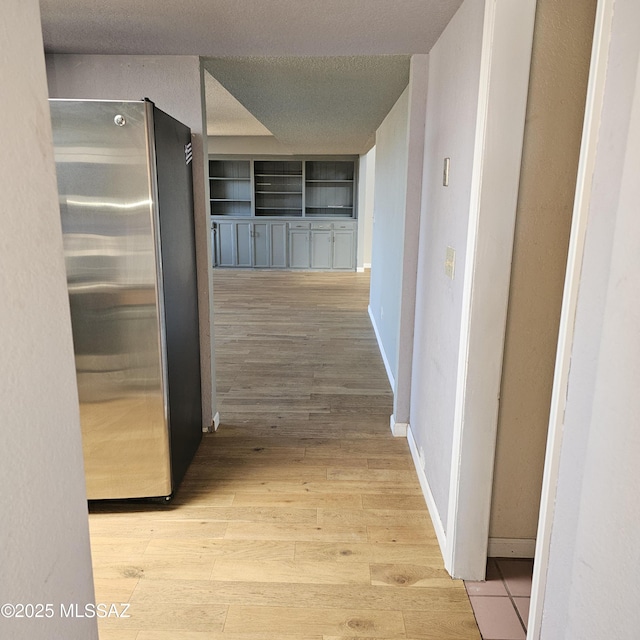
[[426, 491], [398, 429], [387, 366], [588, 155], [497, 156]]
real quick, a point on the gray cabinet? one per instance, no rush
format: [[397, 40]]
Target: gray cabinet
[[260, 242], [233, 240], [278, 243], [226, 244], [299, 249], [327, 245], [281, 245], [244, 231], [321, 241], [267, 244], [344, 246], [250, 244]]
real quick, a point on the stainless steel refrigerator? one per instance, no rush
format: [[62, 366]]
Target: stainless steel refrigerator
[[126, 203]]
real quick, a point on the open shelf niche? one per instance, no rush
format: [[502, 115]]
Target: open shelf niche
[[230, 187], [278, 187]]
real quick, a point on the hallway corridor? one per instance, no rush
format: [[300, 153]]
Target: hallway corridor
[[302, 517]]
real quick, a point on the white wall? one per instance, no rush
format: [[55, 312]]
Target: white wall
[[388, 230], [592, 586], [174, 84], [452, 103], [44, 533]]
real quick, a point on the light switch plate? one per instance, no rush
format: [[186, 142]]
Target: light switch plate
[[450, 262]]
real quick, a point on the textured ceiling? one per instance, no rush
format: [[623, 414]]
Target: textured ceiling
[[320, 75], [244, 27], [326, 104], [226, 116]]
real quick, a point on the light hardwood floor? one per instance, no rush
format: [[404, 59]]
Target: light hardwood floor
[[302, 517]]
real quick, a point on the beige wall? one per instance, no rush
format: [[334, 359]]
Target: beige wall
[[44, 533], [560, 62]]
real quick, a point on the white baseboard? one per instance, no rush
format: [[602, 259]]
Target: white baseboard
[[213, 426], [398, 429], [367, 265], [426, 491], [387, 366], [360, 269], [511, 548]]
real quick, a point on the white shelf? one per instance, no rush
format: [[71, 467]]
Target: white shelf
[[278, 175]]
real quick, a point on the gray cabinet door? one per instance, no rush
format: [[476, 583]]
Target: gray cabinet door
[[321, 249], [343, 253], [260, 238], [278, 232], [243, 244], [226, 244], [299, 249]]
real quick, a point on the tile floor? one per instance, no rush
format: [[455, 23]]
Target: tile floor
[[501, 604]]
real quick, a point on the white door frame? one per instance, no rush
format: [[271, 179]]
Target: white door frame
[[502, 101], [593, 113]]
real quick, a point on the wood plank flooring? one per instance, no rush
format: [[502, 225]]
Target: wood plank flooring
[[302, 517]]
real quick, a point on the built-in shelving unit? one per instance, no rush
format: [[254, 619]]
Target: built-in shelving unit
[[294, 213]]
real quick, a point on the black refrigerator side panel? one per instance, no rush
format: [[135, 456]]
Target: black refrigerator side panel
[[177, 241]]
